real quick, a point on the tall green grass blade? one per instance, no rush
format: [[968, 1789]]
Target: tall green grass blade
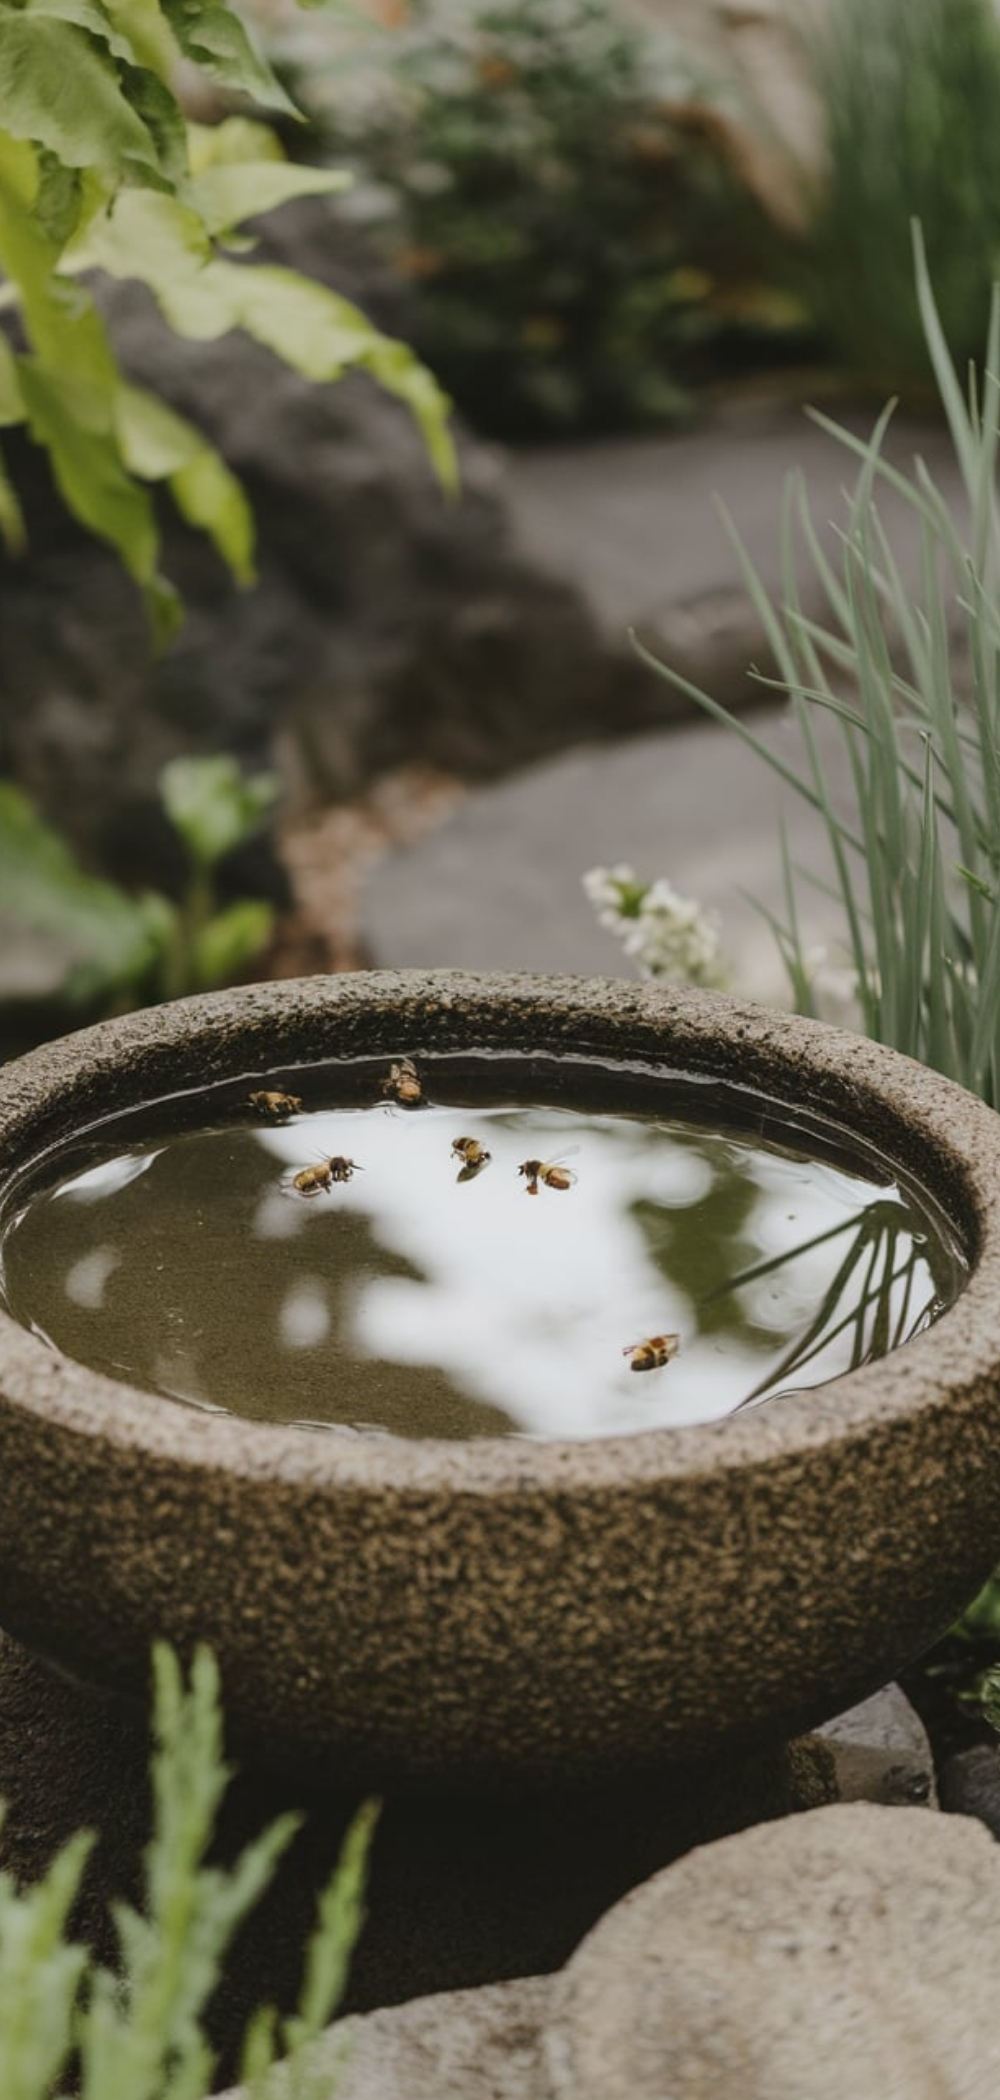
[[959, 423], [986, 535]]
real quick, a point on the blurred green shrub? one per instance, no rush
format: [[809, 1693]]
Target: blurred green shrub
[[118, 948], [558, 190], [909, 94]]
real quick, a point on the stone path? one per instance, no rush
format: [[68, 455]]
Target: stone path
[[634, 520], [498, 886]]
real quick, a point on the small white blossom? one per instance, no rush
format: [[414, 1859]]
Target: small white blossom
[[614, 893], [669, 936]]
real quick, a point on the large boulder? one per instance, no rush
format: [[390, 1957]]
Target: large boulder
[[843, 1954], [388, 621]]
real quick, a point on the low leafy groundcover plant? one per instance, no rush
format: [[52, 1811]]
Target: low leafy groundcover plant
[[67, 2024], [124, 947]]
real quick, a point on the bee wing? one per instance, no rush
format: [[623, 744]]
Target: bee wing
[[571, 1152]]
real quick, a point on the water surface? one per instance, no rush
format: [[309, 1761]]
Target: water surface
[[415, 1300]]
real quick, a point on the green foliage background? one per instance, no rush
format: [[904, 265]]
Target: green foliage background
[[99, 170], [908, 93], [553, 184], [123, 947]]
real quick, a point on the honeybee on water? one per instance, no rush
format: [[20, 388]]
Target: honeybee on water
[[473, 1155], [275, 1107], [651, 1355], [404, 1084], [310, 1180], [551, 1172]]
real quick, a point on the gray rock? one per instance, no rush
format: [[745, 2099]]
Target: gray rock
[[461, 2045], [881, 1752], [633, 521], [844, 1953], [970, 1785]]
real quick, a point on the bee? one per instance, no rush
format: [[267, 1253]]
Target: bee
[[273, 1106], [310, 1180], [473, 1155], [403, 1083], [550, 1171], [651, 1355]]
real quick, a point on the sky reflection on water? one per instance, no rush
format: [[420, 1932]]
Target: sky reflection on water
[[409, 1299]]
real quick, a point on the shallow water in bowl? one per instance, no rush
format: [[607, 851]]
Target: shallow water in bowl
[[418, 1300]]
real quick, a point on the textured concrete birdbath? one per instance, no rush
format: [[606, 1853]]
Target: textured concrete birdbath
[[409, 1612]]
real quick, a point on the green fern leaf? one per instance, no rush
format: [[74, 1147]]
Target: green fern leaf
[[214, 38], [60, 91]]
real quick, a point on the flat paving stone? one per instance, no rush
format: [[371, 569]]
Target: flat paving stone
[[634, 520], [498, 887]]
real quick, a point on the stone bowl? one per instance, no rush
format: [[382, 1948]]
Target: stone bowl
[[500, 1613]]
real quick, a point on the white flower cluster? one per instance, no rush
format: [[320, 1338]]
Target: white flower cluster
[[668, 936]]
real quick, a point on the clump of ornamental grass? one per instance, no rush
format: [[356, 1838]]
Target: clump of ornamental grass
[[137, 2033], [908, 93], [912, 681], [911, 678]]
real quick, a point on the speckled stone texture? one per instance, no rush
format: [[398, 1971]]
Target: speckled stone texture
[[846, 1954], [881, 1752], [509, 1612], [842, 1955], [457, 2045]]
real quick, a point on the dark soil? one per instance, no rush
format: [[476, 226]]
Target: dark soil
[[942, 1686]]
